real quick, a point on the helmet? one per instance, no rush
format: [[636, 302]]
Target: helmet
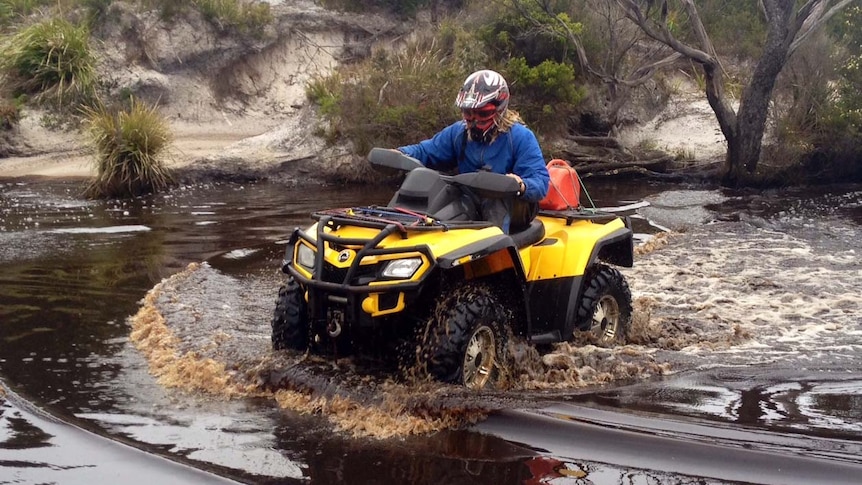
[[483, 97], [482, 88]]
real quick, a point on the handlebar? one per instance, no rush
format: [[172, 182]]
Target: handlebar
[[485, 184]]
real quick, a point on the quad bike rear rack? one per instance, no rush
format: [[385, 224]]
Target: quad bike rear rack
[[580, 214]]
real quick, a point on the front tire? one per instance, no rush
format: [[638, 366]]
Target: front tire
[[290, 319], [464, 341], [606, 307]]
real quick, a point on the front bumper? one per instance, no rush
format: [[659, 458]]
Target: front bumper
[[355, 286]]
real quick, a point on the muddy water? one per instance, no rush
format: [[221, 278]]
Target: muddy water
[[147, 322]]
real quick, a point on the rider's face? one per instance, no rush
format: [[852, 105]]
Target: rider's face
[[481, 118]]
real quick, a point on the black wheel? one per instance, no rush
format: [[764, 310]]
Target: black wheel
[[464, 341], [606, 307], [290, 319]]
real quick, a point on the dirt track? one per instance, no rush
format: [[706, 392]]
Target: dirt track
[[64, 154]]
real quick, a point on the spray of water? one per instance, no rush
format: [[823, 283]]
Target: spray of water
[[705, 297]]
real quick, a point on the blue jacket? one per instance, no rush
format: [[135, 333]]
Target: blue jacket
[[515, 151]]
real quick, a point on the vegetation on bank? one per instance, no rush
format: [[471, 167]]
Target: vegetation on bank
[[613, 59], [400, 97], [819, 110], [247, 17], [10, 113], [574, 67], [48, 61]]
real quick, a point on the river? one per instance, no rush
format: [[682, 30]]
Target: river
[[134, 347]]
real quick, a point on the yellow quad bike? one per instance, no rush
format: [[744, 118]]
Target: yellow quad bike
[[423, 283]]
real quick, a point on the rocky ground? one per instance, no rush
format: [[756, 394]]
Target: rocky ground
[[237, 106]]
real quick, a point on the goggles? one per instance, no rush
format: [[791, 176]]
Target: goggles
[[480, 118], [485, 113]]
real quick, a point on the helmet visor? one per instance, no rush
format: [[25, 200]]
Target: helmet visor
[[482, 118]]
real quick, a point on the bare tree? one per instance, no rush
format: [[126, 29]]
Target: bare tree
[[627, 61], [789, 23]]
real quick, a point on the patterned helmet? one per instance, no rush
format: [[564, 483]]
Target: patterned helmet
[[482, 88]]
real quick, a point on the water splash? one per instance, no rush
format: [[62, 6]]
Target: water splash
[[702, 298], [218, 351]]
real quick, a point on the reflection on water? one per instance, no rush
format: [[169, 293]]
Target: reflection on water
[[827, 403], [754, 281], [37, 448]]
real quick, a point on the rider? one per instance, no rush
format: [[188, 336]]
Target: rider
[[490, 137]]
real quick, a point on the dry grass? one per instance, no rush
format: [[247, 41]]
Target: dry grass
[[130, 146]]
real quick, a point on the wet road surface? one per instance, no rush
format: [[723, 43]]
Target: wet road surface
[[746, 349]]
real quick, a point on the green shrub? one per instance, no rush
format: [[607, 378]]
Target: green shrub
[[390, 99], [12, 9], [818, 137], [245, 16], [393, 99], [130, 145], [50, 60], [736, 27], [6, 13], [545, 95], [325, 92], [509, 33], [849, 86]]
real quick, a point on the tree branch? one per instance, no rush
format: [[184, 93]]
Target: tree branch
[[633, 12], [807, 29]]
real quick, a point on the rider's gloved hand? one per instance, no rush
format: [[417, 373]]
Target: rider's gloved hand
[[521, 186]]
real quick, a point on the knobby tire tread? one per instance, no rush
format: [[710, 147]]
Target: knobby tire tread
[[290, 320], [602, 280], [452, 327]]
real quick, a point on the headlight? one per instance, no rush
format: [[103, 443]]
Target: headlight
[[305, 256], [402, 268]]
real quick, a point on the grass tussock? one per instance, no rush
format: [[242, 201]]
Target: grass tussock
[[245, 16], [50, 61], [130, 147]]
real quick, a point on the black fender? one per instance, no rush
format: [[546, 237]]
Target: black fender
[[287, 259], [616, 248], [495, 259]]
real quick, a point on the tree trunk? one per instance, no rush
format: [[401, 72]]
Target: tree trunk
[[787, 27], [754, 104], [724, 114]]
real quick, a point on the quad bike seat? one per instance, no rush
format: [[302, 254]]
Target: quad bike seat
[[530, 235]]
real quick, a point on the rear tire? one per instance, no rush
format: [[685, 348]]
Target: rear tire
[[464, 341], [606, 307], [290, 319]]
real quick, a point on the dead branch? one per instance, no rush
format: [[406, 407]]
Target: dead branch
[[659, 165], [596, 141]]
